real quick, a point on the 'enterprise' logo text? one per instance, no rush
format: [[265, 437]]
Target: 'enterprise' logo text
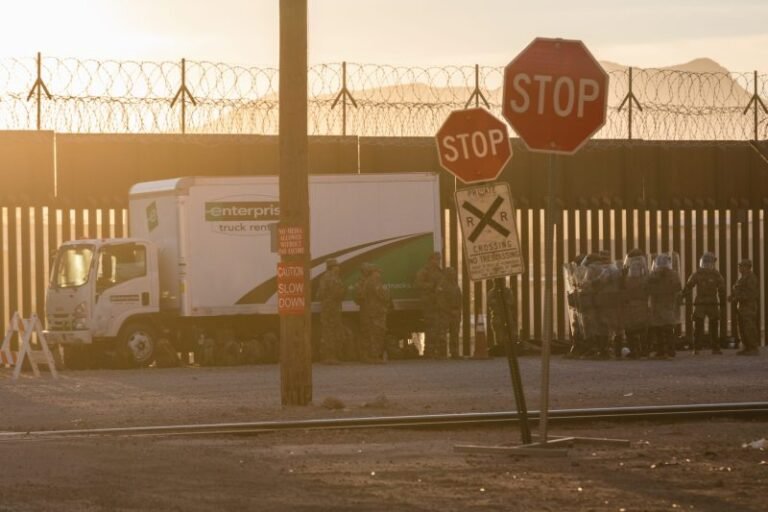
[[242, 211]]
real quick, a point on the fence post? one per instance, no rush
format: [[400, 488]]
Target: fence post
[[37, 88], [758, 103], [631, 98], [343, 95], [183, 93], [477, 94], [479, 298]]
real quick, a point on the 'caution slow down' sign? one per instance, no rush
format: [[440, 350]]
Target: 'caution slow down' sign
[[290, 289]]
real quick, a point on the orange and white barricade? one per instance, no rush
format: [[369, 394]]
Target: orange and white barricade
[[26, 329], [7, 358]]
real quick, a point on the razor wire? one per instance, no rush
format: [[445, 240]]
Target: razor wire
[[90, 96]]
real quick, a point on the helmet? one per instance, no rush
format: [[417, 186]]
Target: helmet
[[592, 258], [578, 258], [663, 261], [635, 263], [707, 260]]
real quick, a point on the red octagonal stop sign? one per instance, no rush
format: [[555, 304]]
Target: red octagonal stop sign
[[473, 145], [555, 95]]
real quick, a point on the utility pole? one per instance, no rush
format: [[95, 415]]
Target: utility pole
[[295, 321]]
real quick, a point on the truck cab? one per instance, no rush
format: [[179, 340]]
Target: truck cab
[[98, 287]]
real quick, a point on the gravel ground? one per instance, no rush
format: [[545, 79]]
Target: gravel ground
[[700, 465]]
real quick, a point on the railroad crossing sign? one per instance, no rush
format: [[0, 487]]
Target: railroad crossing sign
[[473, 145], [555, 95], [489, 229]]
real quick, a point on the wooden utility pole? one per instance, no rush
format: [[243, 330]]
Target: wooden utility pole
[[295, 319]]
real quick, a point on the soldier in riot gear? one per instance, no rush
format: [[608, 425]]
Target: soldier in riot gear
[[746, 294], [710, 296], [635, 302], [664, 287], [599, 303], [573, 277]]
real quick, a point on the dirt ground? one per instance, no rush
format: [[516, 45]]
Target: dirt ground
[[698, 465]]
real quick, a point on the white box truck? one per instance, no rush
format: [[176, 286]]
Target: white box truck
[[201, 261]]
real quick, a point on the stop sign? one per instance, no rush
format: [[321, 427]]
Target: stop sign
[[473, 145], [555, 95]]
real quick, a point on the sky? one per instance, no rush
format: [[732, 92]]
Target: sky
[[651, 33]]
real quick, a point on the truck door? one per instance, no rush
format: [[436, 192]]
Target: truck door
[[123, 286]]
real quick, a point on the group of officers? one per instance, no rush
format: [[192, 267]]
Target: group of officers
[[628, 309], [617, 309], [374, 301], [440, 297]]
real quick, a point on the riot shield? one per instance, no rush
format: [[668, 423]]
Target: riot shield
[[665, 285], [571, 278]]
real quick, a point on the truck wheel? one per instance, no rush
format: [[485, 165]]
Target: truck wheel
[[137, 344]]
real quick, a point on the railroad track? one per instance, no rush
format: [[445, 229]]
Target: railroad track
[[644, 413]]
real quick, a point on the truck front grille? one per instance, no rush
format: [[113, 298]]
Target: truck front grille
[[60, 322]]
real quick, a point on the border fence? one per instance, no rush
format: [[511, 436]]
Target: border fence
[[697, 101], [30, 234], [680, 165], [685, 197]]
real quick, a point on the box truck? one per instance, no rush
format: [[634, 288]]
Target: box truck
[[199, 268]]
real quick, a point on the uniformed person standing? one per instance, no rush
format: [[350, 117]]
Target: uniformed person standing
[[359, 347], [746, 294], [635, 303], [427, 280], [664, 288], [330, 293], [449, 311], [377, 304], [600, 304], [710, 296]]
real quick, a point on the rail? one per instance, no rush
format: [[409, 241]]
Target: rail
[[641, 413]]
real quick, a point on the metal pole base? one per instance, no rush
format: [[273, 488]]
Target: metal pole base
[[550, 448]]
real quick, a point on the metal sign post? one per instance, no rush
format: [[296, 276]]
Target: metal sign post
[[557, 112], [555, 97], [546, 343], [514, 367], [492, 251]]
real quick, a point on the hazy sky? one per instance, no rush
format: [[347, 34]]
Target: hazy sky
[[651, 33]]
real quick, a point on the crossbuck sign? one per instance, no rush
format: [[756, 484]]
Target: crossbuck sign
[[489, 230]]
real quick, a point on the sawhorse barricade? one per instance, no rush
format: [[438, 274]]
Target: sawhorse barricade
[[25, 330]]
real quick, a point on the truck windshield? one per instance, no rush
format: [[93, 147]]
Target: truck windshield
[[120, 263], [72, 266]]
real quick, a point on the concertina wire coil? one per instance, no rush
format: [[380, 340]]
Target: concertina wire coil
[[90, 96]]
